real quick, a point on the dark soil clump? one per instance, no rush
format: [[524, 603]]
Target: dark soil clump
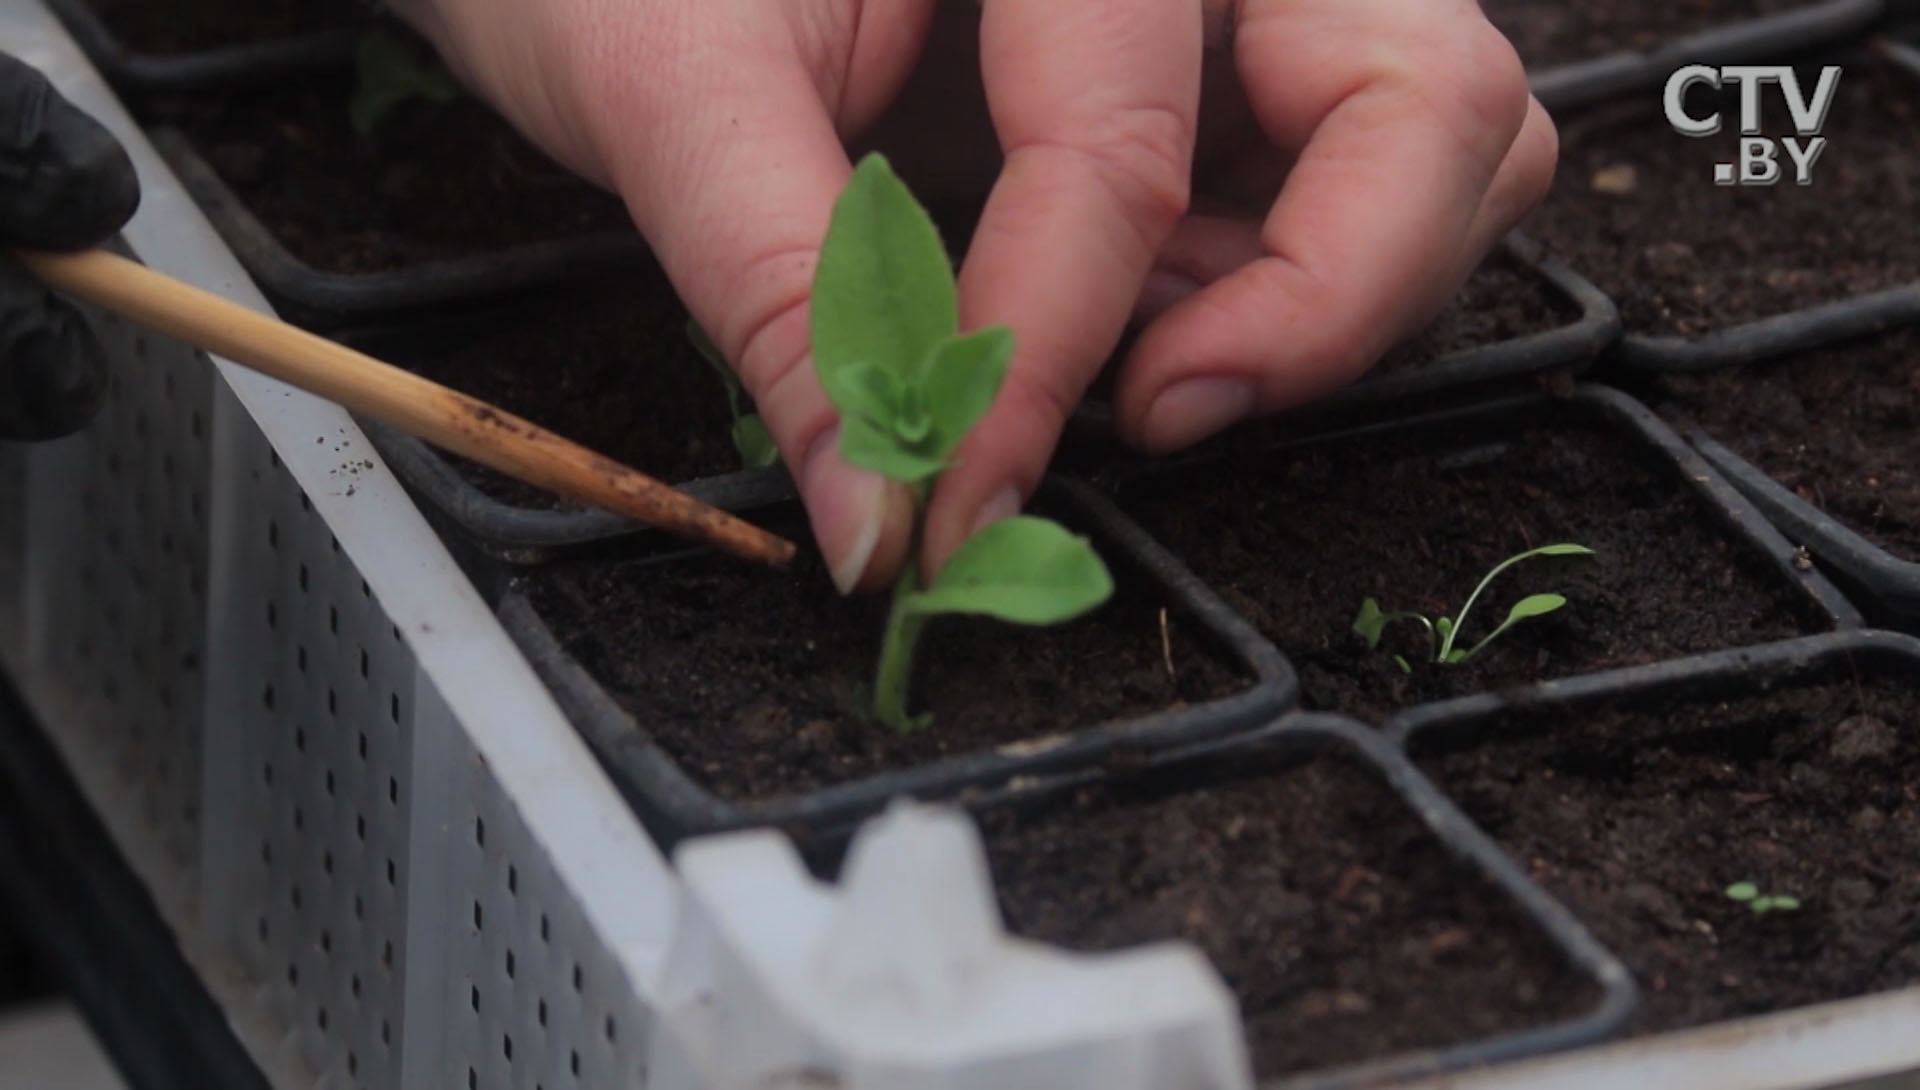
[[160, 29], [1547, 34]]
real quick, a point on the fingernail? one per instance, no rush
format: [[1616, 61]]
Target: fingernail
[[1192, 410], [1004, 504], [848, 506]]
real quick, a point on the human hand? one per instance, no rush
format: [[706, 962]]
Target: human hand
[[1353, 161], [65, 184]]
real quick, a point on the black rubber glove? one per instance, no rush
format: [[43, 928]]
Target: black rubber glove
[[65, 184]]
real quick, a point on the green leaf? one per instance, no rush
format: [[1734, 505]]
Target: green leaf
[[963, 376], [1443, 628], [883, 291], [868, 393], [1023, 569], [390, 75], [1785, 902], [913, 423], [1743, 891], [754, 442], [1401, 662], [1566, 549], [1533, 605], [864, 444], [1370, 624]]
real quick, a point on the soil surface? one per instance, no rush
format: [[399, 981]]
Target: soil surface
[[1343, 926], [432, 181], [1501, 301], [752, 680], [1639, 823], [608, 366], [1841, 427], [154, 27], [1296, 540], [1634, 208], [1550, 34]]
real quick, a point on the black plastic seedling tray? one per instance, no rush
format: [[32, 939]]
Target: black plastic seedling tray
[[1729, 723], [1268, 756], [1887, 586], [1585, 83], [334, 300], [229, 67], [674, 805], [1776, 335], [1238, 557]]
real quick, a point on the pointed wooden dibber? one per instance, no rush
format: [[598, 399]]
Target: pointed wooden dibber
[[446, 418]]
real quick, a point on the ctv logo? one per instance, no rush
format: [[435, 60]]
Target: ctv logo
[[1759, 162]]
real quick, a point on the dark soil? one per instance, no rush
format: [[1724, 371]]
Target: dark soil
[[1640, 822], [608, 366], [1296, 540], [433, 181], [752, 679], [153, 27], [1501, 301], [1685, 257], [1343, 926], [1841, 427], [1547, 34]]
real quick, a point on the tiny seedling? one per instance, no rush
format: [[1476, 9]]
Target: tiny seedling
[[1749, 894], [909, 387], [750, 435], [390, 75], [1443, 632]]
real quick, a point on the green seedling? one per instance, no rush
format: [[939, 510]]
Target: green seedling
[[909, 387], [390, 75], [1443, 632], [1749, 894], [750, 435]]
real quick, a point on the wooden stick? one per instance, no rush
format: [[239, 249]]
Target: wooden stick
[[447, 418]]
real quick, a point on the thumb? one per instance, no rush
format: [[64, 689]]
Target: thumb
[[737, 221]]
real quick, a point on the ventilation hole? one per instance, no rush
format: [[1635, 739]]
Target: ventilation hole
[[513, 880], [322, 1019], [541, 1012], [363, 745], [476, 916], [365, 591], [273, 616], [353, 1065], [336, 544], [267, 697], [393, 707], [573, 1062], [386, 1032], [263, 929], [472, 1079], [506, 1046], [363, 662], [326, 861], [509, 965], [333, 620], [266, 773], [391, 872], [480, 831], [359, 907], [305, 503], [326, 941], [296, 895], [546, 931], [473, 997], [353, 985], [293, 974], [329, 782], [299, 818], [333, 704], [303, 577], [300, 739], [579, 978], [300, 657], [266, 853], [386, 953], [393, 790], [273, 534], [360, 827], [273, 458], [609, 1027]]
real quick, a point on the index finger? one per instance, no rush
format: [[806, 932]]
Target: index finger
[[1094, 102], [1403, 114]]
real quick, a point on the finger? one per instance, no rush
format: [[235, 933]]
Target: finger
[[1201, 250], [1518, 187], [53, 373], [65, 182], [1094, 102], [1403, 124], [734, 182]]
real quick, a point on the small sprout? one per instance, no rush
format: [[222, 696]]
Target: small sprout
[[750, 435], [1371, 622], [1748, 893], [909, 387], [390, 75]]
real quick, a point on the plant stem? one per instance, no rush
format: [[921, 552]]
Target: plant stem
[[897, 645]]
